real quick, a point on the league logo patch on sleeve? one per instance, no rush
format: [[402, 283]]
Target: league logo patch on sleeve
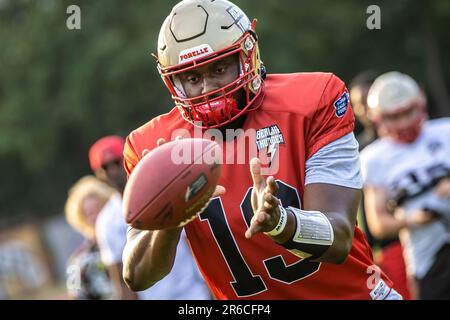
[[341, 104]]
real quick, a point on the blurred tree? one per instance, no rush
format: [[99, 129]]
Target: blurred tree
[[61, 89]]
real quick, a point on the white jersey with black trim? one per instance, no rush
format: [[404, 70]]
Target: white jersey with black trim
[[409, 173]]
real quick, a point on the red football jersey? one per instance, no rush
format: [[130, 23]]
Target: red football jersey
[[300, 114]]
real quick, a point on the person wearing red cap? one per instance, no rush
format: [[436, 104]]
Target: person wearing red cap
[[105, 157]]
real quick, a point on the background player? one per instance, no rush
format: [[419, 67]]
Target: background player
[[389, 253], [407, 181]]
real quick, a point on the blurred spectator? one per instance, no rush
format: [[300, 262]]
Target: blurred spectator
[[105, 158], [407, 181], [389, 250], [87, 275], [358, 89], [184, 281]]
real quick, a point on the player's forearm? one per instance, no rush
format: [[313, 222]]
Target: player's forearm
[[148, 257], [343, 238], [122, 291], [386, 226], [382, 223]]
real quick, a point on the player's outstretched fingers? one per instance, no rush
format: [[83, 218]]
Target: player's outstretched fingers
[[257, 224], [145, 152], [253, 228], [272, 185], [262, 217], [270, 201], [219, 191], [160, 142], [255, 170]]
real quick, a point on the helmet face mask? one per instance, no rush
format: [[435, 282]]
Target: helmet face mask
[[222, 105], [405, 124]]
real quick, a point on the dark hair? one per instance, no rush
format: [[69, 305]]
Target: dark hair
[[366, 77]]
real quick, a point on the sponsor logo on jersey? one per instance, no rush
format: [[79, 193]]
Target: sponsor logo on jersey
[[341, 104], [194, 53], [269, 138]]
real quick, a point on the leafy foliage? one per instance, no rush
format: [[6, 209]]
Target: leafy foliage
[[61, 89]]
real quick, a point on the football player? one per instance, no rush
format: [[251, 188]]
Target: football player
[[407, 181], [291, 235]]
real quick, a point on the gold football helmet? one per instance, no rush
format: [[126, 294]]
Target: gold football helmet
[[199, 32]]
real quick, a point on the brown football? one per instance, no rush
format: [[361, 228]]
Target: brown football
[[172, 184]]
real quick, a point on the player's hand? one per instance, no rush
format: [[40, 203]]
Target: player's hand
[[442, 189], [419, 218], [266, 213], [219, 189]]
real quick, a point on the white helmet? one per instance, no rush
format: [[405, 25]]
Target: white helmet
[[198, 32], [392, 92]]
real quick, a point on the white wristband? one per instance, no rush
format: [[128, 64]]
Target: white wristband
[[313, 227], [281, 223]]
